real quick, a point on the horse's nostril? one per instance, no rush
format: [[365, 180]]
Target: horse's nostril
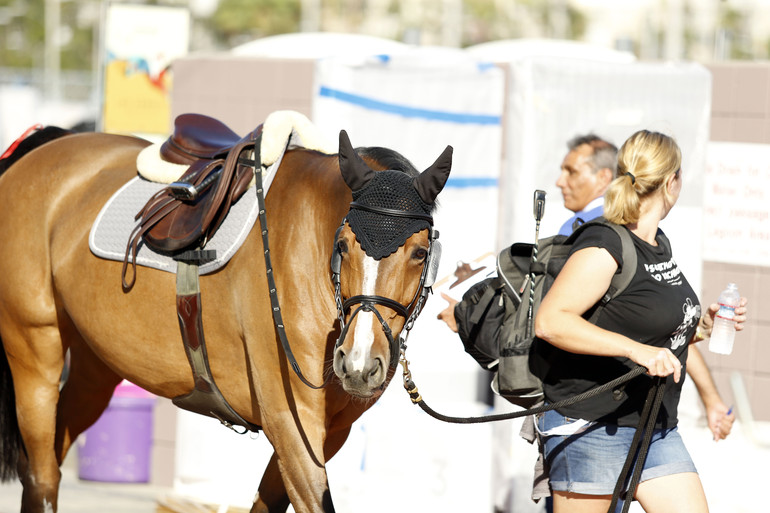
[[376, 368], [341, 358]]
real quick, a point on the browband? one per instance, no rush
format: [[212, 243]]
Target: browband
[[392, 212]]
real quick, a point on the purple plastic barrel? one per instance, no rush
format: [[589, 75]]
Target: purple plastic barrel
[[117, 447]]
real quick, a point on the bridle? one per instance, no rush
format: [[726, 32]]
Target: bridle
[[367, 302]]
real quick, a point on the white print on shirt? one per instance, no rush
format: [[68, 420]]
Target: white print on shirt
[[691, 317], [668, 271]]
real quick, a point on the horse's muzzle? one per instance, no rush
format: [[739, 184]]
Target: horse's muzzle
[[363, 381]]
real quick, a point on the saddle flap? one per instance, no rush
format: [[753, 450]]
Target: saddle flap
[[191, 223], [169, 224]]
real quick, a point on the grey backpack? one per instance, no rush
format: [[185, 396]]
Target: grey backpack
[[527, 272]]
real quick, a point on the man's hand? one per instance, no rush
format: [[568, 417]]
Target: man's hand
[[448, 314]]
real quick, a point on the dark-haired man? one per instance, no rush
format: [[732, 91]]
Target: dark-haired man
[[586, 171]]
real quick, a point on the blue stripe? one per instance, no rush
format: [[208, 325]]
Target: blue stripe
[[465, 182], [409, 112]]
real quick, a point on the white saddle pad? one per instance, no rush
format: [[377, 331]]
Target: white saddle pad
[[112, 228]]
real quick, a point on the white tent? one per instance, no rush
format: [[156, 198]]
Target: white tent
[[315, 45], [509, 50]]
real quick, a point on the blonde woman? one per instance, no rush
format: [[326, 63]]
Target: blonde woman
[[650, 324]]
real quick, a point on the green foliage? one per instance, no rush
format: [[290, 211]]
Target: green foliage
[[237, 20], [734, 24], [22, 35], [22, 25]]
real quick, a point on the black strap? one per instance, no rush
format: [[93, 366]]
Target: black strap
[[392, 212], [276, 307], [394, 305], [482, 301], [637, 454], [368, 306]]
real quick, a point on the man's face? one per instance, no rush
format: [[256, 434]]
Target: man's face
[[578, 183]]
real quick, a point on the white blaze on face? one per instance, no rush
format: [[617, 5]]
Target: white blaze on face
[[363, 337]]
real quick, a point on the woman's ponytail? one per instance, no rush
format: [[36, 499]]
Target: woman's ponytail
[[645, 161]]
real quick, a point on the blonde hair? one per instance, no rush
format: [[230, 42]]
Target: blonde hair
[[645, 163]]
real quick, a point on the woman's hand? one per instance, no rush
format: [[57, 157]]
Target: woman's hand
[[706, 323], [659, 361], [740, 314], [720, 420]]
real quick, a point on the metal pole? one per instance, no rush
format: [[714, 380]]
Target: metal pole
[[674, 45], [52, 57], [310, 16]]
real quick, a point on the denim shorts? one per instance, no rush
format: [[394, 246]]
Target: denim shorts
[[590, 462]]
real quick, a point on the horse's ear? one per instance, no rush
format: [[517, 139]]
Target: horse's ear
[[354, 170], [432, 180]]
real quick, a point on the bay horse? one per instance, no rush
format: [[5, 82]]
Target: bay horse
[[56, 296]]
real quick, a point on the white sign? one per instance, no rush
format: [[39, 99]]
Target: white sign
[[736, 204]]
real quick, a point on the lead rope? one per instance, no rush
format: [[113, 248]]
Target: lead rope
[[414, 394], [646, 422]]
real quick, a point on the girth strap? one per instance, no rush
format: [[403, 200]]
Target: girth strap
[[205, 398]]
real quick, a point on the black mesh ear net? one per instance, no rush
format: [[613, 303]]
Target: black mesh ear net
[[381, 234]]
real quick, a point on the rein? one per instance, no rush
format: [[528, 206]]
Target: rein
[[366, 302], [276, 307], [643, 433]]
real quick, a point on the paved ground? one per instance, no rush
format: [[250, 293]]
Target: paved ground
[[732, 472], [78, 496]]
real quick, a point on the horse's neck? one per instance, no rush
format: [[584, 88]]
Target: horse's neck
[[309, 183]]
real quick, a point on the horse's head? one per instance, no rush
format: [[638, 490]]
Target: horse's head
[[384, 262]]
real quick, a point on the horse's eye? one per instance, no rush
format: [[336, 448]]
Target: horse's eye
[[342, 246], [420, 254]]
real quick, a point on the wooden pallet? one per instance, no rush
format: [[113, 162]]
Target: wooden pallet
[[176, 504]]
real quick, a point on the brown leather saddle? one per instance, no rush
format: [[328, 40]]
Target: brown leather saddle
[[186, 214], [179, 220]]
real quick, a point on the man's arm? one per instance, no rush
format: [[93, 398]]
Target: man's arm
[[719, 420], [448, 314]]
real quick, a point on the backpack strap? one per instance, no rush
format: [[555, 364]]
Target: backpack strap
[[627, 271], [481, 298]]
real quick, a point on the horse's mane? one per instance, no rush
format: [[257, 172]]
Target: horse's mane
[[391, 159], [28, 144], [388, 158]]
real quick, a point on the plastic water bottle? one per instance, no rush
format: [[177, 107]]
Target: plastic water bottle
[[723, 333]]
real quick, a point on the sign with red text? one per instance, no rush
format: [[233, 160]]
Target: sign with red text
[[736, 204]]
